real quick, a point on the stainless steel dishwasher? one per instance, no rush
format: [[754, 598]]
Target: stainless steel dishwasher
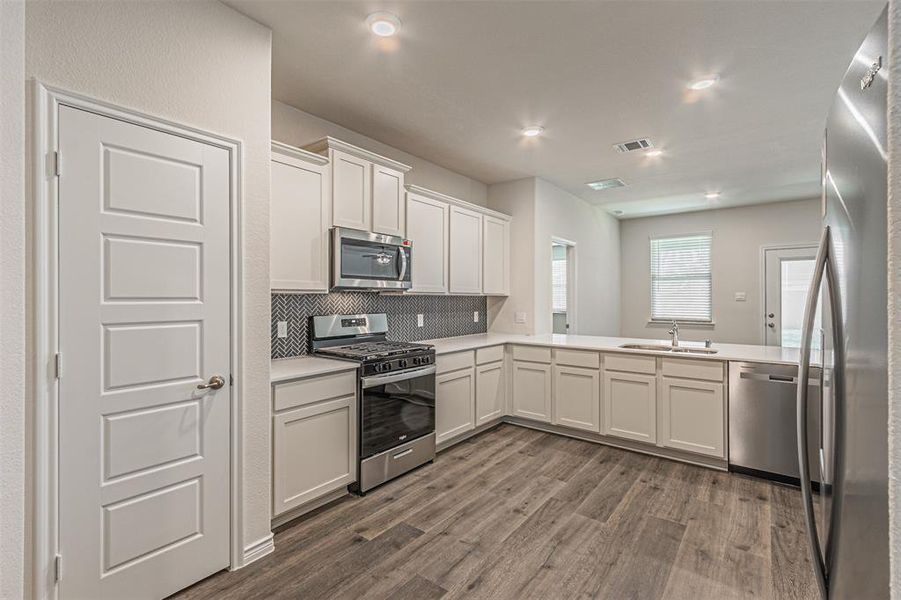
[[763, 439]]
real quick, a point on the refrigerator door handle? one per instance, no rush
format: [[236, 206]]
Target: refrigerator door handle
[[810, 310]]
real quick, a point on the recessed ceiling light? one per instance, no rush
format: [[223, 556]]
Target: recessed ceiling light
[[653, 153], [712, 195], [532, 131], [704, 82], [383, 24]]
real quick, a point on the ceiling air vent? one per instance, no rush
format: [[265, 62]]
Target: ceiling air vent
[[633, 145], [606, 184]]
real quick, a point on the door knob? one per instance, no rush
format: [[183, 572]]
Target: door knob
[[215, 382]]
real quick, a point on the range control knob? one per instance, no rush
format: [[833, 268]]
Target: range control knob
[[402, 363]]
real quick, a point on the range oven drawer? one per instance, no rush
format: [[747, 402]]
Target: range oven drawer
[[387, 465]]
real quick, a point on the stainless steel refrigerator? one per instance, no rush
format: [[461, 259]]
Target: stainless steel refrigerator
[[846, 517]]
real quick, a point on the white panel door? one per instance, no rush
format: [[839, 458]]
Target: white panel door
[[351, 191], [388, 206], [299, 221], [532, 391], [427, 228], [490, 392], [692, 416], [495, 256], [144, 319], [454, 404], [465, 251], [630, 406], [577, 398]]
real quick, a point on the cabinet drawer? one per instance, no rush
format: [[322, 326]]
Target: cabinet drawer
[[577, 358], [487, 355], [630, 363], [532, 354], [314, 389], [688, 368], [452, 362]]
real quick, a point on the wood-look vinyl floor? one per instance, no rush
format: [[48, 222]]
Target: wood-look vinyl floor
[[517, 513]]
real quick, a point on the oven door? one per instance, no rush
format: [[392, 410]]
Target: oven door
[[361, 259], [395, 409]]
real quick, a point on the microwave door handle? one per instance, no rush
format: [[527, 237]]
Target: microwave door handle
[[403, 262]]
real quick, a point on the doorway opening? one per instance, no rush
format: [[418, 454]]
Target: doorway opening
[[563, 286], [788, 272]]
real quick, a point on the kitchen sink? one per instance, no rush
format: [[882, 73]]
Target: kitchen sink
[[656, 347]]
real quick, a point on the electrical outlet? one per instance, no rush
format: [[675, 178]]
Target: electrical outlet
[[741, 296], [420, 321], [475, 316], [282, 329], [519, 317]]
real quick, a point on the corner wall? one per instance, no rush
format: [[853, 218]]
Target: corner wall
[[204, 65], [738, 235]]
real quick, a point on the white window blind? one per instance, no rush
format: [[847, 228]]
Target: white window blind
[[558, 283], [680, 278]]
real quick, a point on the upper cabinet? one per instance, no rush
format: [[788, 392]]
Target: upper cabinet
[[300, 216], [367, 188], [458, 247]]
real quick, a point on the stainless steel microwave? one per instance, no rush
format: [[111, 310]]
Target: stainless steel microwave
[[370, 261]]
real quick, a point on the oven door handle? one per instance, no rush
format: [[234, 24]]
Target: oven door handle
[[376, 380]]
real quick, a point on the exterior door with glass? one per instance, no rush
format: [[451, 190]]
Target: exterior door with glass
[[787, 276]]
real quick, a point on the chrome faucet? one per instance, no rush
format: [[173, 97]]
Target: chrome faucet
[[675, 333]]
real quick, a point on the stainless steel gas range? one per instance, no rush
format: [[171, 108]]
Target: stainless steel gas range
[[396, 394]]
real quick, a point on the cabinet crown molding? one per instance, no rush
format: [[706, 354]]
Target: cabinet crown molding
[[299, 153], [421, 191], [330, 143]]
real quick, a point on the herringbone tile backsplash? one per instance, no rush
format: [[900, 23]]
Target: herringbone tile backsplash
[[443, 316]]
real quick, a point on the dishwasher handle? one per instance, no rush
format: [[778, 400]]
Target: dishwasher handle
[[788, 379]]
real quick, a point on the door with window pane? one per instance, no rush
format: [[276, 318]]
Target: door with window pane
[[787, 276], [680, 278]]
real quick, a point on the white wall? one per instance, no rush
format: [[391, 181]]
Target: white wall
[[12, 301], [738, 235], [204, 65], [597, 262], [298, 128], [517, 199], [894, 291]]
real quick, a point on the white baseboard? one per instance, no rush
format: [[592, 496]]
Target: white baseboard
[[259, 549]]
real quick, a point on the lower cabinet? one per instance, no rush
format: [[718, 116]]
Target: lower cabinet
[[314, 451], [454, 403], [577, 398], [692, 416], [490, 390], [630, 406], [532, 390]]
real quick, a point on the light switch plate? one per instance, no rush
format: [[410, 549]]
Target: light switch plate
[[420, 321], [475, 316], [741, 296], [282, 329], [519, 317]]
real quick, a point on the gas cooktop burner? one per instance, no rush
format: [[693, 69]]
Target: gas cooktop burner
[[370, 350]]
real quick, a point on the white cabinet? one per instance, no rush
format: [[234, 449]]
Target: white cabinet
[[490, 390], [692, 415], [532, 390], [367, 189], [300, 207], [630, 406], [428, 229], [454, 403], [495, 256], [314, 451], [465, 251], [388, 205], [577, 398]]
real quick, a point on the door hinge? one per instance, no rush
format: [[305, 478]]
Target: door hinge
[[54, 163], [57, 567], [231, 380], [58, 365]]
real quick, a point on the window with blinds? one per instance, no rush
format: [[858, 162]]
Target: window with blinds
[[680, 278], [558, 279]]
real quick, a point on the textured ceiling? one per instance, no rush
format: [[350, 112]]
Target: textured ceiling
[[462, 78]]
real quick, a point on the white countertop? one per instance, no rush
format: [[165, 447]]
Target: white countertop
[[737, 352], [285, 369]]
